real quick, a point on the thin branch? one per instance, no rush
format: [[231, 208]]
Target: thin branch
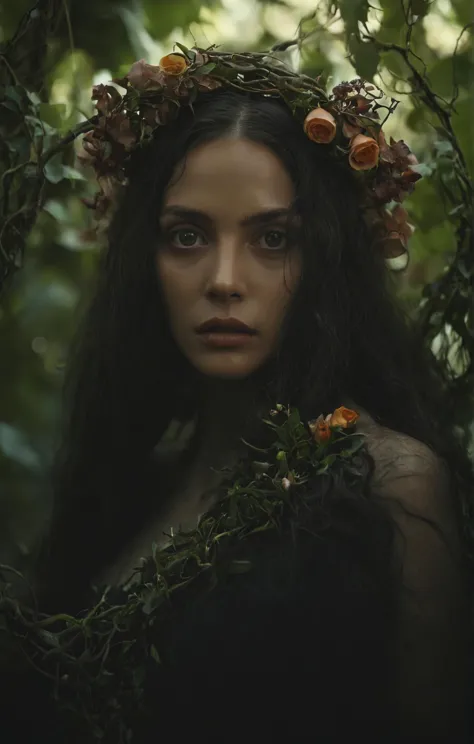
[[455, 83], [422, 85]]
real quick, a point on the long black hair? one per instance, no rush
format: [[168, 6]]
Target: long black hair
[[345, 334]]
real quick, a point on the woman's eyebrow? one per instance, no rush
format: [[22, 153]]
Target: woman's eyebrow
[[254, 219]]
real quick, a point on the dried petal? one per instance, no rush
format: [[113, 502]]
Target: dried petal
[[206, 82], [396, 224], [107, 98], [350, 129], [145, 77], [386, 154], [119, 129], [342, 90]]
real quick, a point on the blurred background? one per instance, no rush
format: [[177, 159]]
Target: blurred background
[[96, 40]]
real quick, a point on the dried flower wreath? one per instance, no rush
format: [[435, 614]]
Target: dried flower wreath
[[347, 120]]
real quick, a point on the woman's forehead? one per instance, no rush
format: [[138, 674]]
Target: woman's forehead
[[243, 175]]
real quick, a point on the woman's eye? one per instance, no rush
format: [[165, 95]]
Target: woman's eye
[[274, 240], [184, 237]]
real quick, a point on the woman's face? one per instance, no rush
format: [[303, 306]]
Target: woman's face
[[225, 255]]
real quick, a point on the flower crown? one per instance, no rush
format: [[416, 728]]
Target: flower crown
[[347, 120]]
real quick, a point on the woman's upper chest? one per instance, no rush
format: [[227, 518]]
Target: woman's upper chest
[[192, 494]]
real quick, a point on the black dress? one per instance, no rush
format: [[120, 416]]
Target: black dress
[[297, 649]]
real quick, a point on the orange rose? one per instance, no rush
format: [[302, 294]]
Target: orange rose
[[319, 429], [173, 64], [364, 153], [344, 417], [320, 126]]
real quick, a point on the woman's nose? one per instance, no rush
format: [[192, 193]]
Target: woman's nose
[[226, 272]]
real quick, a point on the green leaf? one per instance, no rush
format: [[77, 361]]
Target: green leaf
[[13, 444], [444, 72], [34, 98], [462, 125], [420, 7], [353, 11], [154, 654], [73, 174], [55, 170], [424, 169], [393, 22], [11, 106], [184, 49], [240, 567], [14, 93], [205, 69], [40, 127], [53, 114], [463, 11], [154, 599], [366, 57], [163, 17], [57, 210], [293, 419]]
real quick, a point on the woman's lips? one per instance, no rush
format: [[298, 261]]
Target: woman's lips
[[226, 339]]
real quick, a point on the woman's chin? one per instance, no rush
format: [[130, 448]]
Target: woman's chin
[[228, 366]]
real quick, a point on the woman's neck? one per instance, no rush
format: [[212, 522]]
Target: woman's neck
[[227, 412]]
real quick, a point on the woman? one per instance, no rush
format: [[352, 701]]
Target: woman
[[240, 272]]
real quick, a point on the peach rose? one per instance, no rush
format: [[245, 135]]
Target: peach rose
[[320, 126], [173, 64], [344, 417], [364, 153]]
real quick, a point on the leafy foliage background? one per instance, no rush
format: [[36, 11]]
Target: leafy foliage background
[[91, 41]]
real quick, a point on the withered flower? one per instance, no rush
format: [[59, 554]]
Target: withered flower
[[146, 77], [319, 429], [107, 98]]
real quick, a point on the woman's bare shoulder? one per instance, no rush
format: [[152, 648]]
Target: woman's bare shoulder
[[404, 464], [412, 479]]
